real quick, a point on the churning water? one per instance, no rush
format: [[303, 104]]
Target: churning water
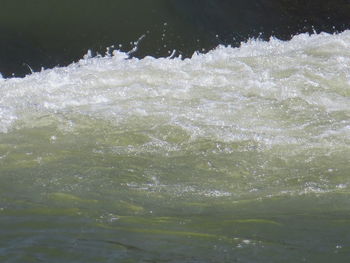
[[237, 155]]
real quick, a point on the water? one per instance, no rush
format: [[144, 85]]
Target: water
[[237, 155], [50, 33]]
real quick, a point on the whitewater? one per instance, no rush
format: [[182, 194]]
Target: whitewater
[[177, 149]]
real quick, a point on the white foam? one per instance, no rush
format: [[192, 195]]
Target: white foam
[[269, 92]]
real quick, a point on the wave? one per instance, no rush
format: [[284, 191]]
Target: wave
[[230, 91], [48, 34], [275, 107]]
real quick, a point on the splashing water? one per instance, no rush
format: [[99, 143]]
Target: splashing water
[[228, 148]]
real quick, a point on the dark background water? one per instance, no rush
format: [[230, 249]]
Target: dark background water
[[41, 33]]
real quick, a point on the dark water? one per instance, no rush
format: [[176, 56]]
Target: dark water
[[40, 33]]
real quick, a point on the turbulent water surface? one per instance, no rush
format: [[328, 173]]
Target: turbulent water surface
[[237, 155], [41, 33]]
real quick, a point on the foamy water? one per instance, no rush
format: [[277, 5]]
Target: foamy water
[[237, 136], [255, 91]]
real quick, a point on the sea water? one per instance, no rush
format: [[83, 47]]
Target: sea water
[[236, 155]]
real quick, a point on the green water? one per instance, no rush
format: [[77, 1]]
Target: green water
[[101, 194], [239, 155]]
